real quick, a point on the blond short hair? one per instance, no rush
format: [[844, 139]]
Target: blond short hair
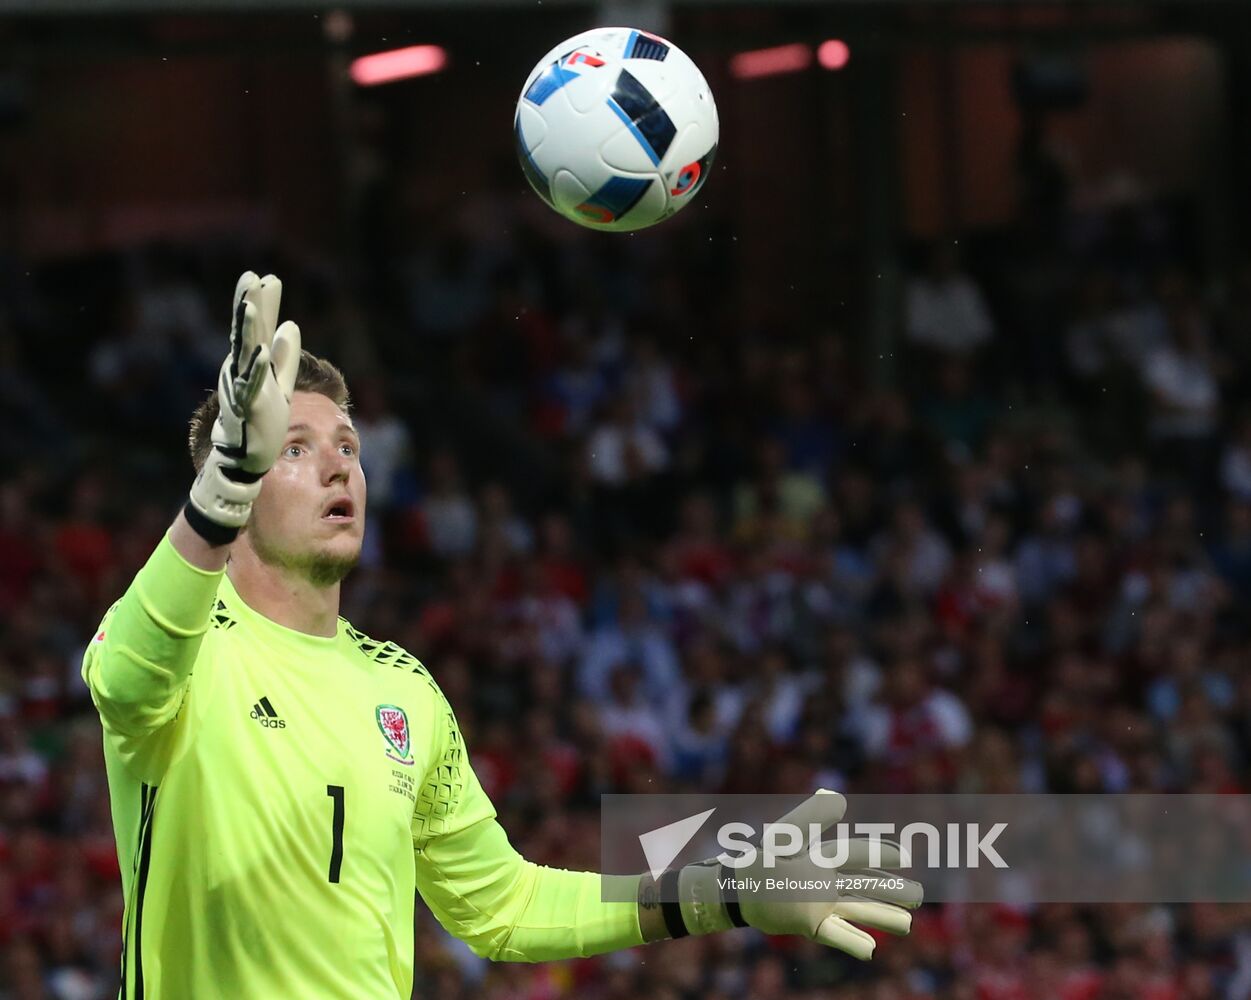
[[314, 375]]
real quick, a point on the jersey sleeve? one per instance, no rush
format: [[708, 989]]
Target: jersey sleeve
[[138, 665], [482, 891]]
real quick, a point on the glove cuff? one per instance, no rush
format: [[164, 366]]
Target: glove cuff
[[703, 904], [670, 905], [729, 896], [212, 532], [219, 501]]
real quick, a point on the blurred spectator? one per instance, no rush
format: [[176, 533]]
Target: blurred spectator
[[386, 444], [623, 448], [451, 518], [573, 394], [920, 555], [945, 310], [652, 383], [956, 411], [448, 284], [1181, 377], [1236, 461], [1231, 554], [500, 525], [629, 720], [792, 495], [634, 639], [916, 724]]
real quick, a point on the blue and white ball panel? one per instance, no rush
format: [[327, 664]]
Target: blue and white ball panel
[[548, 82], [625, 153], [616, 205], [569, 130], [532, 124], [529, 133], [538, 180], [641, 45], [617, 196], [643, 116]]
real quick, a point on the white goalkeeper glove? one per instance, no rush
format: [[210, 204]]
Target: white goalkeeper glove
[[871, 897], [254, 395]]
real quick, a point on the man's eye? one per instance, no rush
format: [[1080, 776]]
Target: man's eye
[[348, 449], [293, 451]]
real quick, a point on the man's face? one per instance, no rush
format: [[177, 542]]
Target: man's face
[[310, 515]]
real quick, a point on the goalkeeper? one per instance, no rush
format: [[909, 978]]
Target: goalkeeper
[[281, 783]]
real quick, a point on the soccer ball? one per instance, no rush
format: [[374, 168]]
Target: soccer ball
[[616, 129]]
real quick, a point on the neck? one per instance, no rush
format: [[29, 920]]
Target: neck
[[283, 595]]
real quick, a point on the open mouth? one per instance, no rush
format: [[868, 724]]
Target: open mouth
[[339, 509]]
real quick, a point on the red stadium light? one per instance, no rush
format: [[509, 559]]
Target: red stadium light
[[833, 54], [771, 62], [398, 64]]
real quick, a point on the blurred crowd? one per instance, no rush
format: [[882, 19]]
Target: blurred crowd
[[646, 545]]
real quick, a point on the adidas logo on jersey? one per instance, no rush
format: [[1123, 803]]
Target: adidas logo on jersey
[[263, 712]]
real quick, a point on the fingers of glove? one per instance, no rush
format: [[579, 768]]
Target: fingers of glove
[[269, 298], [247, 281], [285, 357], [887, 888], [859, 852], [835, 932], [825, 808], [226, 391], [879, 916], [249, 383], [245, 340]]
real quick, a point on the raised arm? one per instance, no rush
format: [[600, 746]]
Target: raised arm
[[139, 663]]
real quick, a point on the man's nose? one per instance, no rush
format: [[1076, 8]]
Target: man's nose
[[337, 467]]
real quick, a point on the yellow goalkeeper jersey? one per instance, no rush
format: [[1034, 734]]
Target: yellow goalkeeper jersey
[[277, 798]]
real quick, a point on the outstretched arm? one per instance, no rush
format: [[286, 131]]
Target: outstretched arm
[[508, 909], [139, 663], [512, 910]]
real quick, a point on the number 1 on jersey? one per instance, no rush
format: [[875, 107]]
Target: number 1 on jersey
[[336, 848]]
